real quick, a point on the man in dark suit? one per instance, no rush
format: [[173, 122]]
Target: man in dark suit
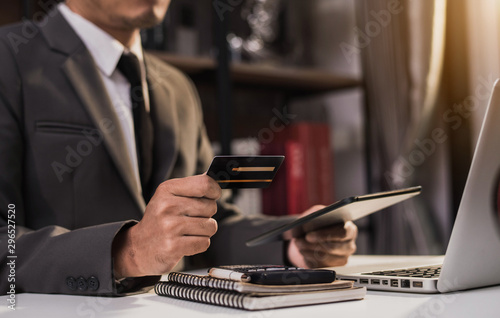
[[102, 154]]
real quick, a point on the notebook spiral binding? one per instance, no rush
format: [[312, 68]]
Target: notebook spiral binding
[[202, 281], [201, 294]]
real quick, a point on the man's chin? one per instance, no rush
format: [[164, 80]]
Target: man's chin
[[145, 21]]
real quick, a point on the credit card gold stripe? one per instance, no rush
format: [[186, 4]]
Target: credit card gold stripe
[[253, 169], [231, 181]]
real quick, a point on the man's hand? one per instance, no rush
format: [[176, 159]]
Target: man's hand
[[177, 222], [326, 247]]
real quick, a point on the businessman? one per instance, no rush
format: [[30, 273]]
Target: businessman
[[102, 155]]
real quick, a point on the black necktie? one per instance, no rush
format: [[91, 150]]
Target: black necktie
[[129, 66]]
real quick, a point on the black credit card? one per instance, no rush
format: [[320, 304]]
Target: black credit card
[[237, 172]]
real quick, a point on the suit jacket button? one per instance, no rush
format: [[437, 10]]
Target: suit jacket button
[[71, 282], [82, 284], [93, 283]]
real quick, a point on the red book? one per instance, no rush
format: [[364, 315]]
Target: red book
[[324, 164], [274, 198], [302, 133], [296, 181], [305, 178]]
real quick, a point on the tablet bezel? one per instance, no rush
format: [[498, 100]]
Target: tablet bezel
[[348, 209]]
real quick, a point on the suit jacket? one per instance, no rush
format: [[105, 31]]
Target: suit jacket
[[64, 166]]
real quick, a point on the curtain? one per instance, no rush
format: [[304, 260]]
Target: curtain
[[401, 44]]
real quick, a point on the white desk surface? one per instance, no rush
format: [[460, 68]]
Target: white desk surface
[[484, 302]]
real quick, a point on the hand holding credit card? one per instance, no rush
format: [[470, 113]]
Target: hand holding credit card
[[237, 172]]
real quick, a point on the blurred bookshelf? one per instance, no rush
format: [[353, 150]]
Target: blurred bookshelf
[[299, 81], [239, 88]]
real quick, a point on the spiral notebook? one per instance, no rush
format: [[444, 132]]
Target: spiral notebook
[[248, 296]]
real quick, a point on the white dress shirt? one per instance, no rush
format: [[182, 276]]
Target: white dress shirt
[[106, 52]]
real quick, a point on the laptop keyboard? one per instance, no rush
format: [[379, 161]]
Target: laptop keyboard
[[423, 272]]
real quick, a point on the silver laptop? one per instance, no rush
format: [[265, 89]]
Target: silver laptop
[[473, 256]]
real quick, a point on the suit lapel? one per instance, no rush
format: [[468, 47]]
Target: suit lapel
[[164, 116], [82, 73]]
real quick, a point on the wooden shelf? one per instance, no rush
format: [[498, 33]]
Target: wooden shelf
[[189, 65], [294, 80]]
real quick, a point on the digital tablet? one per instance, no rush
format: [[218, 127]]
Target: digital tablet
[[348, 209]]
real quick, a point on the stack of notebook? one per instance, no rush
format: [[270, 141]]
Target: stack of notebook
[[237, 294]]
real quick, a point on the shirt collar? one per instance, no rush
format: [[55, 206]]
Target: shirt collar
[[105, 49]]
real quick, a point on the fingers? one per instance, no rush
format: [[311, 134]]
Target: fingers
[[194, 207], [172, 198], [319, 259], [194, 226], [327, 247], [178, 226], [200, 186], [189, 245], [192, 245], [332, 248], [325, 254], [337, 233]]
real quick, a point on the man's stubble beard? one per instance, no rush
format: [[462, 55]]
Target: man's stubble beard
[[147, 20]]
